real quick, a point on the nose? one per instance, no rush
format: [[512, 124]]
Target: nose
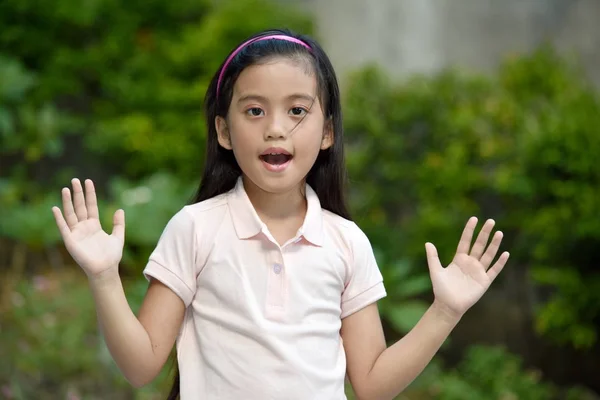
[[276, 129]]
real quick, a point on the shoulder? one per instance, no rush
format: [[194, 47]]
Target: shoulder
[[198, 218], [192, 230], [346, 231], [206, 210]]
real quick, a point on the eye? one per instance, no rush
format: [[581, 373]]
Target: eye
[[254, 112], [298, 111]]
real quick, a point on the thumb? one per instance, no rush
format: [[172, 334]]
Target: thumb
[[433, 259], [119, 224]]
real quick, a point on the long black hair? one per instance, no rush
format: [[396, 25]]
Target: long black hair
[[327, 176]]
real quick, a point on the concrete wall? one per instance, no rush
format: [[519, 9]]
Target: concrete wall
[[409, 36]]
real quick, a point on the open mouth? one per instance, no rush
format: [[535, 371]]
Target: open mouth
[[276, 158]]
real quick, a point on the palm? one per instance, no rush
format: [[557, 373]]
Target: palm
[[92, 248], [462, 283], [89, 245]]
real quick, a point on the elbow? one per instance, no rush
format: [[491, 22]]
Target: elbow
[[367, 392], [361, 392], [139, 379], [365, 396], [371, 396], [139, 382], [360, 395]]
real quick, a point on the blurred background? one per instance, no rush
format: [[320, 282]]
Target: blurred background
[[452, 109]]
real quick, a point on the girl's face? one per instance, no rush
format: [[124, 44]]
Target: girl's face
[[275, 124]]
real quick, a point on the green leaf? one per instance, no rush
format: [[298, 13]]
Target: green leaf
[[7, 127], [406, 315], [413, 286]]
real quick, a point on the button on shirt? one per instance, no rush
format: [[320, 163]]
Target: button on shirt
[[262, 320]]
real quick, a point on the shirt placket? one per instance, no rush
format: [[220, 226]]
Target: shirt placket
[[276, 285]]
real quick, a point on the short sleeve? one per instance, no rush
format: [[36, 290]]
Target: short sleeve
[[364, 285], [173, 261]]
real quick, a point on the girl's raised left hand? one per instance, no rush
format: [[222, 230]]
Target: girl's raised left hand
[[462, 283]]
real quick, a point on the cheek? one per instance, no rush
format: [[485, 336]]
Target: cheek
[[241, 134], [311, 136], [243, 148], [307, 149]]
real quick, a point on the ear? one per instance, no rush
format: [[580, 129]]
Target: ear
[[223, 132], [328, 138]]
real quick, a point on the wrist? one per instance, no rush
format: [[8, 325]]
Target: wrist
[[445, 314], [106, 278]]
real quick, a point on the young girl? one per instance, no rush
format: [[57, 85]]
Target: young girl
[[265, 284]]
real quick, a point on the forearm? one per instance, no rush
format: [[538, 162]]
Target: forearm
[[402, 362], [126, 338]]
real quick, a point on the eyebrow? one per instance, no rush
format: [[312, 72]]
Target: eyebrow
[[263, 99]]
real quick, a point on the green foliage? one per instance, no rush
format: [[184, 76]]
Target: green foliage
[[486, 373], [32, 225], [28, 126], [48, 329], [51, 347], [520, 148], [492, 373], [569, 315], [403, 306]]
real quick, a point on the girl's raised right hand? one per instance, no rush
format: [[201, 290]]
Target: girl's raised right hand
[[94, 250]]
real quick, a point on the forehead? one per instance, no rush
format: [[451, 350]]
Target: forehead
[[275, 78]]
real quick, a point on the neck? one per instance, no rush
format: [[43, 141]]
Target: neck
[[276, 206]]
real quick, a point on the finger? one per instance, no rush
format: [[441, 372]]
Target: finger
[[70, 216], [433, 259], [91, 202], [119, 224], [62, 225], [492, 249], [78, 200], [465, 240], [497, 267], [482, 239]]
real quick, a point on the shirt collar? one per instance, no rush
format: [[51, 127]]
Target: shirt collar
[[247, 223]]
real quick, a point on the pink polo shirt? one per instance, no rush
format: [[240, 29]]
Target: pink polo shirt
[[263, 320]]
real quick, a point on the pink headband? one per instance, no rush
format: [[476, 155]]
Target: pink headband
[[258, 39]]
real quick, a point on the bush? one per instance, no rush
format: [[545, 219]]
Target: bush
[[520, 148], [488, 373], [51, 347]]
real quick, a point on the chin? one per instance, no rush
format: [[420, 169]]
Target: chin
[[277, 184]]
